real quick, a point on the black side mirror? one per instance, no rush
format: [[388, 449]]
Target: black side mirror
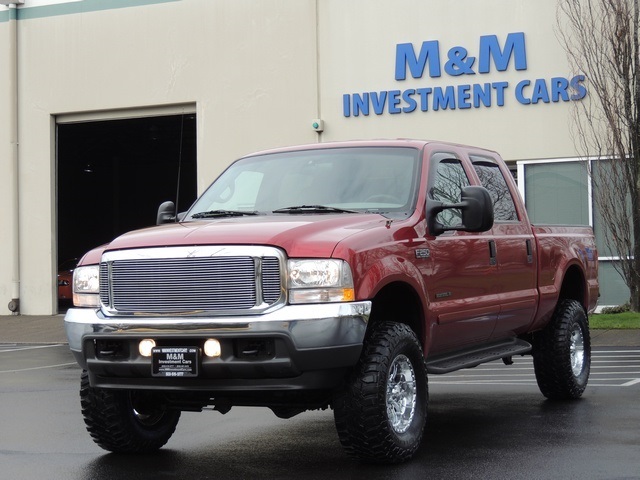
[[477, 216], [166, 213], [476, 208]]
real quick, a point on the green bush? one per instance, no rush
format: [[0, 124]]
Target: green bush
[[619, 309]]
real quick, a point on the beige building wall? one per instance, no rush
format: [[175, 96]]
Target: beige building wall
[[256, 72], [6, 172]]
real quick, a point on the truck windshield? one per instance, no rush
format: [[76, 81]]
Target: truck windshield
[[337, 180]]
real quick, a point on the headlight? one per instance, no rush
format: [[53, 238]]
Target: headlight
[[86, 286], [320, 281]]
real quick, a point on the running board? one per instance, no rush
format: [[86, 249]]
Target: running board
[[473, 357]]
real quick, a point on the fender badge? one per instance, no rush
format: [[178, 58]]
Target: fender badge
[[423, 253]]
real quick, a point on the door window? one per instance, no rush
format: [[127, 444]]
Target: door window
[[491, 178]]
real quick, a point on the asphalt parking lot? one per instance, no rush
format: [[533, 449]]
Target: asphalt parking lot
[[487, 422]]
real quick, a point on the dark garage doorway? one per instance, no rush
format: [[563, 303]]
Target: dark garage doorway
[[112, 175]]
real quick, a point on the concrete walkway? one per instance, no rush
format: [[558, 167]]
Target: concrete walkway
[[50, 329]]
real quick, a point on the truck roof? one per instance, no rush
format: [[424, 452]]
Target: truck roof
[[398, 142]]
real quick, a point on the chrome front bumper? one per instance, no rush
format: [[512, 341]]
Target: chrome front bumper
[[307, 338]]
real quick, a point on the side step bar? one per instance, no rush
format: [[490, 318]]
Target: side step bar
[[473, 357]]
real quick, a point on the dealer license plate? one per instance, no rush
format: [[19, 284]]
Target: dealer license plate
[[175, 361]]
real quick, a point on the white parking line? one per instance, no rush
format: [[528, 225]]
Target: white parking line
[[38, 368], [604, 352], [483, 382], [617, 362], [31, 347]]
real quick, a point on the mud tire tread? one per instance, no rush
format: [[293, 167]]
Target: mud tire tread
[[360, 406], [552, 354], [109, 419]]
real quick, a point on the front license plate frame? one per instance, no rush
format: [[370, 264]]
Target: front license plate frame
[[175, 362]]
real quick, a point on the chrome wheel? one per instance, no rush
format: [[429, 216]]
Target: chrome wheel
[[148, 419], [401, 394], [145, 411], [577, 350]]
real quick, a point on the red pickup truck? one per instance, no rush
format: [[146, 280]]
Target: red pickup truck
[[334, 275]]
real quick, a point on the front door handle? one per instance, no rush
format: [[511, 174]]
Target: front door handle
[[529, 251], [492, 253]]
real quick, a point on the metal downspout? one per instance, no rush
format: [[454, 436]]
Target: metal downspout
[[14, 304]]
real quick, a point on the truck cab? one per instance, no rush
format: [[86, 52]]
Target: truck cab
[[336, 275]]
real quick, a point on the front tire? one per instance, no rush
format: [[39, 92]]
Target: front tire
[[562, 353], [381, 412], [126, 421]]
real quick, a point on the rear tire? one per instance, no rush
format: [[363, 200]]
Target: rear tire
[[126, 421], [381, 412], [562, 353]]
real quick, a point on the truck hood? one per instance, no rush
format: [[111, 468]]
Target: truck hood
[[299, 235]]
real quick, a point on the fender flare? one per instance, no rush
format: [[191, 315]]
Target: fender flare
[[392, 270]]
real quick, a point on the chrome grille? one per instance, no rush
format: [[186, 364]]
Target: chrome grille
[[218, 283], [271, 290]]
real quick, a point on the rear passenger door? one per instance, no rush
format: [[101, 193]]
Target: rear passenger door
[[460, 277], [514, 248]]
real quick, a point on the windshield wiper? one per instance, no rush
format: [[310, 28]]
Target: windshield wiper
[[222, 213], [313, 209]]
